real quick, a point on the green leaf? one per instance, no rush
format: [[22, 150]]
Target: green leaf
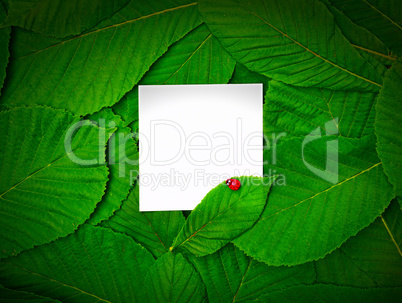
[[333, 294], [4, 53], [231, 276], [43, 193], [313, 213], [173, 279], [94, 264], [198, 58], [122, 161], [58, 18], [387, 123], [223, 215], [243, 75], [380, 17], [154, 230], [369, 46], [297, 42], [372, 258], [8, 295], [300, 110], [95, 69]]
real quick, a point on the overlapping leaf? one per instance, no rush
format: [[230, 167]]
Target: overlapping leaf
[[367, 44], [127, 109], [373, 258], [230, 276], [381, 17], [313, 213], [299, 110], [243, 75], [173, 279], [324, 62], [58, 18], [296, 42], [122, 161], [45, 193], [198, 58], [94, 69], [94, 264], [359, 37], [223, 215], [388, 121], [154, 230]]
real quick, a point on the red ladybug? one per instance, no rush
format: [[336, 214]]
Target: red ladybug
[[233, 184]]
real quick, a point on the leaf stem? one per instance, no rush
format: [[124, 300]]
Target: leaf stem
[[374, 52], [390, 234]]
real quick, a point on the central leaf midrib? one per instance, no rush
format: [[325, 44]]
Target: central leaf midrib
[[321, 192], [353, 261], [214, 217], [41, 169], [307, 49], [150, 224], [188, 59], [155, 232], [391, 235], [373, 52], [109, 27], [242, 280], [59, 282], [382, 14]]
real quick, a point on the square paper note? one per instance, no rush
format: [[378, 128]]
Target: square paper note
[[192, 137]]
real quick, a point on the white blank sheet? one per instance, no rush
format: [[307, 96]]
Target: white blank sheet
[[193, 137]]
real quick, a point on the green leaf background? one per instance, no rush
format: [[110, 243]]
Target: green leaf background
[[331, 71]]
